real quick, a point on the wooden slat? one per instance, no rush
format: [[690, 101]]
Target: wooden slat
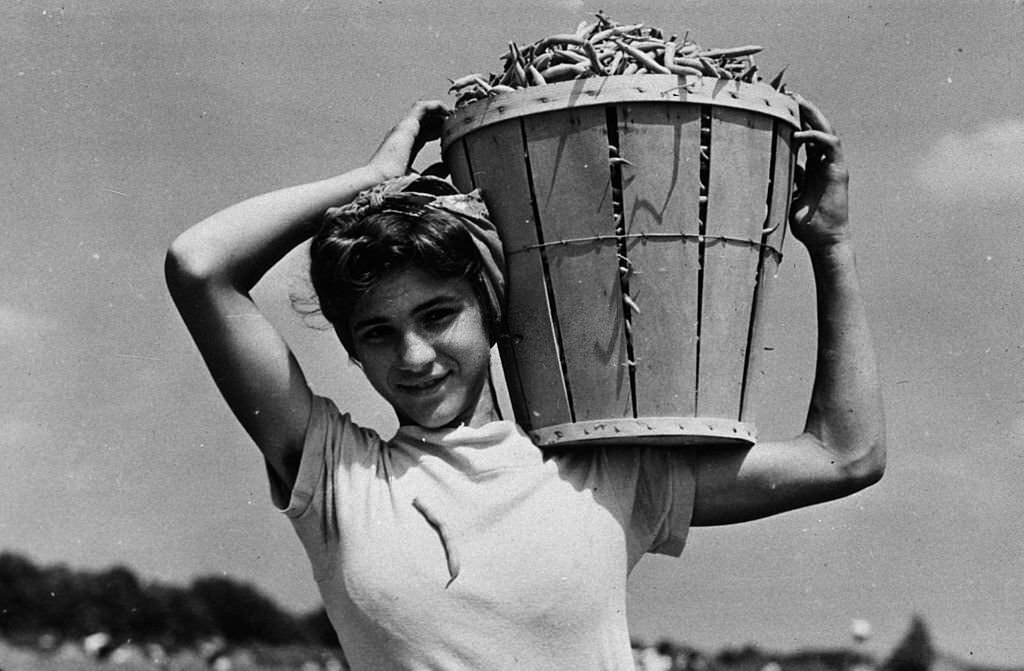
[[458, 166], [737, 203], [530, 355], [457, 162], [661, 196], [499, 390], [569, 158], [755, 393], [782, 192]]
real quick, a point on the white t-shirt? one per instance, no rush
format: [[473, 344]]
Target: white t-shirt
[[544, 543]]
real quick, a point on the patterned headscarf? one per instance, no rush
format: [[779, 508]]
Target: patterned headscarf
[[413, 193]]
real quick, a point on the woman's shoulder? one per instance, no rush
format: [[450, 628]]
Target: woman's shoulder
[[328, 426]]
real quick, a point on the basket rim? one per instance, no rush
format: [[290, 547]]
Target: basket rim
[[681, 431], [758, 97]]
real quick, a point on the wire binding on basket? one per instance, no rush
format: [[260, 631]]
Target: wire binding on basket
[[643, 236]]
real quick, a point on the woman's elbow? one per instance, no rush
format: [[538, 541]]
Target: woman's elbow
[[187, 264], [868, 468], [178, 269]]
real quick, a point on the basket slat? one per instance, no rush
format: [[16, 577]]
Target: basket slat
[[529, 351], [741, 146], [755, 391], [568, 153], [457, 162], [458, 167], [660, 196]]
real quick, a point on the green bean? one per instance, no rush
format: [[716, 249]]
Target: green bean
[[564, 71], [669, 56], [595, 60], [684, 70], [643, 59], [735, 52], [559, 40], [615, 30], [534, 77]]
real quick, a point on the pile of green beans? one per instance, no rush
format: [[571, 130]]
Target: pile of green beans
[[603, 48]]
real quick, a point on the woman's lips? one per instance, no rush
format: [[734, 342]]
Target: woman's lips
[[422, 387]]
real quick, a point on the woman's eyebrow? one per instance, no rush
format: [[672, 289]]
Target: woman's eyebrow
[[443, 299], [369, 321]]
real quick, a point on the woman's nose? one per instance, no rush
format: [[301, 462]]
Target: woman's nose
[[415, 351]]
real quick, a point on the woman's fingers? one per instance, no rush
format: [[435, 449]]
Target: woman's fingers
[[817, 135], [421, 125], [810, 116], [820, 143], [798, 183], [431, 115]]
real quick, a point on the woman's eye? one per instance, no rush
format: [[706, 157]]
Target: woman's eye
[[440, 316], [375, 334]]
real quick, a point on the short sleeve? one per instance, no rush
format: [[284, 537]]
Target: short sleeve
[[334, 448], [312, 466], [662, 503], [664, 507]]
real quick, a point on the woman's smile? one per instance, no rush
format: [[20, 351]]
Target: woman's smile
[[424, 386]]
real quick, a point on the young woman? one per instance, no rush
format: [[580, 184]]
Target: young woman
[[457, 544]]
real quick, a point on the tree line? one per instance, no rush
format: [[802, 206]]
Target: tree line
[[69, 604]]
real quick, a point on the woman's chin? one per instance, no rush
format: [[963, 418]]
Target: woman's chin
[[439, 417]]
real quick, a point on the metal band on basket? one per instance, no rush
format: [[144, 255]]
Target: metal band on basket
[[644, 236]]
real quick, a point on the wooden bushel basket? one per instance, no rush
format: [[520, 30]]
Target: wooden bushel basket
[[643, 218]]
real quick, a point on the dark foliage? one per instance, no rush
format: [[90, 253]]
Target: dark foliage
[[915, 652], [244, 615], [68, 604], [320, 629]]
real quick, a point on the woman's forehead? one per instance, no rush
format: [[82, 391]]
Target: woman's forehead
[[406, 291]]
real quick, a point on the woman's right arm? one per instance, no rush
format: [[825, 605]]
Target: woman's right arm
[[212, 267]]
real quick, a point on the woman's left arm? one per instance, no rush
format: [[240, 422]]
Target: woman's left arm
[[842, 447]]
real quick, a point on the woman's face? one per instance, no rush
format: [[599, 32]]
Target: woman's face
[[423, 345]]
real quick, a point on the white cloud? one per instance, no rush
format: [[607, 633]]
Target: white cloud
[[985, 163], [17, 323]]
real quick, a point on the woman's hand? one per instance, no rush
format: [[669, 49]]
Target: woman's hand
[[421, 125], [819, 212]]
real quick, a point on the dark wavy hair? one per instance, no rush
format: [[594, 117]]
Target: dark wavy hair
[[348, 258]]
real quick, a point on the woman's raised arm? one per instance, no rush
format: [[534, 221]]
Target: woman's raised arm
[[842, 447], [212, 267]]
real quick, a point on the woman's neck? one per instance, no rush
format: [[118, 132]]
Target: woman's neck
[[484, 410]]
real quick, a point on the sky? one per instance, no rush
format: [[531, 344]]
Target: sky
[[122, 123]]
